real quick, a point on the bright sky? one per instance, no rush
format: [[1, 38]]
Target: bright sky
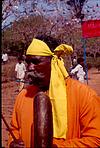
[[92, 7]]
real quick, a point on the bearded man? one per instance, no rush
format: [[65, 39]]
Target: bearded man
[[75, 106]]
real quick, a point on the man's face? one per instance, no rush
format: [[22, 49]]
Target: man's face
[[38, 71]]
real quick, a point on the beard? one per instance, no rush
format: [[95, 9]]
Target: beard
[[37, 79]]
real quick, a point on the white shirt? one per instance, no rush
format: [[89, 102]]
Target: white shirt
[[20, 69], [4, 57], [80, 72]]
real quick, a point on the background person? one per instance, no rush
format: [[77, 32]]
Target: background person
[[4, 58], [20, 70], [76, 107], [78, 70]]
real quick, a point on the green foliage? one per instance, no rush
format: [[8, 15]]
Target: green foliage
[[18, 37]]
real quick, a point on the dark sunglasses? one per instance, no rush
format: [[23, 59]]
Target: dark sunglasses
[[32, 60]]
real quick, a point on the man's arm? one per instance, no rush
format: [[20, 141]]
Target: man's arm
[[73, 71], [90, 125], [16, 67], [24, 67]]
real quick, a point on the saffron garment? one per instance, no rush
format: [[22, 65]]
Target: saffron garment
[[83, 116]]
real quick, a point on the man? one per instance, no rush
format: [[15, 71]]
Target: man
[[75, 106], [20, 70], [78, 70]]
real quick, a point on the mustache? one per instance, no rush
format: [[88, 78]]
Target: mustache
[[34, 77]]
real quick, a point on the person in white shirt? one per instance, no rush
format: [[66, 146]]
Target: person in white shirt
[[20, 70], [4, 57], [78, 70]]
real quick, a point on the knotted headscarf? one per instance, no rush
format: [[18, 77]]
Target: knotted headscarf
[[57, 87]]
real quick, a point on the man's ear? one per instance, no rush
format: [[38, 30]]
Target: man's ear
[[59, 53]]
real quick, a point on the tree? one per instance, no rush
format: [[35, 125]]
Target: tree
[[14, 10], [83, 9], [77, 6], [59, 18], [21, 33]]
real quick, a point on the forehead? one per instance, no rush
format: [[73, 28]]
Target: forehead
[[42, 58]]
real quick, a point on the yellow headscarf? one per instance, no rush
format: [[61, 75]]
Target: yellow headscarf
[[57, 88]]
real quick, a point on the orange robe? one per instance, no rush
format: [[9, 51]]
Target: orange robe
[[83, 116]]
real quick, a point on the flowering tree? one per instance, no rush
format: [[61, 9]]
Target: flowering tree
[[15, 9], [59, 18]]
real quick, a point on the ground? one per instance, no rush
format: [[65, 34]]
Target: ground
[[9, 93]]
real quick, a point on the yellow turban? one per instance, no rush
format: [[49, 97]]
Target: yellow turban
[[57, 87]]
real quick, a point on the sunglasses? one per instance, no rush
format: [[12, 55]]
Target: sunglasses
[[32, 60]]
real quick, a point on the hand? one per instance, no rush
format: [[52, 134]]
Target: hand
[[17, 144]]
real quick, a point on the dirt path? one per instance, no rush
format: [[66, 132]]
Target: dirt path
[[9, 93], [8, 100], [94, 79]]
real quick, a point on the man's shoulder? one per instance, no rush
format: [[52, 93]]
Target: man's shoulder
[[28, 92], [17, 64], [80, 88], [79, 66], [79, 93], [22, 64], [76, 67], [73, 82]]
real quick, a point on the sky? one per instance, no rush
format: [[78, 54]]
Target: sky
[[62, 8], [50, 10], [94, 11]]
